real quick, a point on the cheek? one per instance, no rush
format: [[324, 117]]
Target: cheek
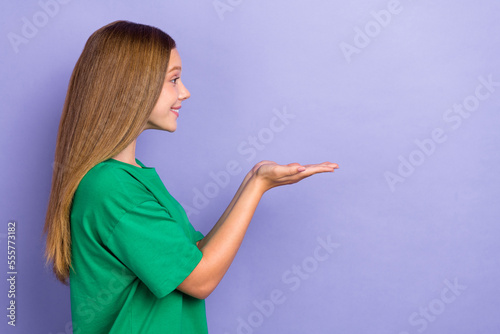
[[164, 103], [170, 95]]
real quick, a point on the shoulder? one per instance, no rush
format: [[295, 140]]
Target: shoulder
[[107, 181]]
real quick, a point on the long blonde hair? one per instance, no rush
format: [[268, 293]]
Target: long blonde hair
[[113, 88]]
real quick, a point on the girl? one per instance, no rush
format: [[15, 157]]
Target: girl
[[134, 262]]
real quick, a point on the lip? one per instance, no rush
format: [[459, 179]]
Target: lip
[[175, 112]]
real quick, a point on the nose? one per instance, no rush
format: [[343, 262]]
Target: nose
[[184, 93]]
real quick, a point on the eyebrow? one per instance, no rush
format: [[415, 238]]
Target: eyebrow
[[174, 68]]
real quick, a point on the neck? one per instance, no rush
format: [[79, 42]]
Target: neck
[[128, 154]]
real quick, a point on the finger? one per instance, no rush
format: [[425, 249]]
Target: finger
[[329, 164], [287, 170], [296, 168], [314, 169], [299, 169]]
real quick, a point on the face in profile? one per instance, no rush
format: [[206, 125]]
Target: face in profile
[[166, 111]]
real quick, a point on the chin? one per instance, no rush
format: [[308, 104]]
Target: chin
[[162, 128], [169, 128]]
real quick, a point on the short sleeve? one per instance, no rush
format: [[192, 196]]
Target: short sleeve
[[198, 236], [155, 247]]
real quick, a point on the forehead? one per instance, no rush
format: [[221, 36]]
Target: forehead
[[175, 59]]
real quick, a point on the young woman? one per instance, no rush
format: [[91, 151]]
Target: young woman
[[134, 262]]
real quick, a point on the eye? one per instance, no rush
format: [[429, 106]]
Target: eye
[[174, 80]]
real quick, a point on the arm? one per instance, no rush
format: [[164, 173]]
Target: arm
[[221, 220], [220, 246]]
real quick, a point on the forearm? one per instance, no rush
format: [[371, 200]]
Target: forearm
[[221, 220], [225, 242], [221, 248]]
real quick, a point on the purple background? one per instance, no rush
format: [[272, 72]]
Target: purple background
[[397, 248]]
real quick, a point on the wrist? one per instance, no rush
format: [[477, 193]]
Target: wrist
[[257, 184]]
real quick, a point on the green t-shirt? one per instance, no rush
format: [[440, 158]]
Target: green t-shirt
[[132, 245]]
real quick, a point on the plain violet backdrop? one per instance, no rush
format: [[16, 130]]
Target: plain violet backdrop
[[404, 95]]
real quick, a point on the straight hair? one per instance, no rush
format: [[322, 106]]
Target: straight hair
[[113, 89]]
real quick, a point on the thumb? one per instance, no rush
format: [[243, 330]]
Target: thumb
[[295, 168]]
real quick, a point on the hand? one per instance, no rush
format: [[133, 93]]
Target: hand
[[271, 175]]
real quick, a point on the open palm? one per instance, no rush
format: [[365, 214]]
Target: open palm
[[272, 174]]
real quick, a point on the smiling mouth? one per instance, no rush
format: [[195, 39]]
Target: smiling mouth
[[176, 110]]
